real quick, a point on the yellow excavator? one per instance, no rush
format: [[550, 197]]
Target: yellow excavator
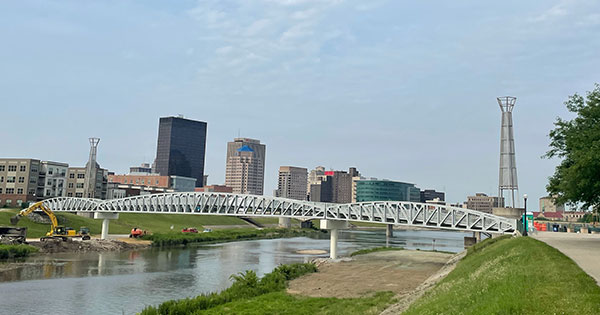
[[57, 232]]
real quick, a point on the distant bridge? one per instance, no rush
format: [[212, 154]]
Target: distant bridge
[[400, 213]]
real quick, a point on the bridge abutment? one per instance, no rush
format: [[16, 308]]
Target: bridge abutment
[[333, 226], [105, 216]]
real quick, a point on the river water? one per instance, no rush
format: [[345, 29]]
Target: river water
[[126, 282]]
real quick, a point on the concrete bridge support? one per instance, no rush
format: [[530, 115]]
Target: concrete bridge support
[[389, 231], [333, 226], [105, 216], [285, 223]]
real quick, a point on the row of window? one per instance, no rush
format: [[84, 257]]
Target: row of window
[[137, 182], [10, 191], [13, 168], [79, 195], [11, 179], [72, 175]]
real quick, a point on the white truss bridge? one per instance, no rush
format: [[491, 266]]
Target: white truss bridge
[[388, 212]]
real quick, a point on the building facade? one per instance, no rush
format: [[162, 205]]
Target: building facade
[[291, 182], [76, 182], [245, 166], [181, 148], [484, 203], [18, 181], [215, 188], [430, 194], [547, 205], [382, 190], [52, 181]]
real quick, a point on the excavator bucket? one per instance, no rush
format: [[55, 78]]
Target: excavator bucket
[[14, 220]]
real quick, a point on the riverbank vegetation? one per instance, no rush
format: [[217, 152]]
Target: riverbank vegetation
[[375, 249], [16, 251], [250, 295], [156, 223], [245, 285], [512, 276], [178, 238]]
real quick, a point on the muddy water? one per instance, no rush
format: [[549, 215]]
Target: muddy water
[[125, 282]]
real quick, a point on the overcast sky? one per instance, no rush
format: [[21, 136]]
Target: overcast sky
[[402, 90]]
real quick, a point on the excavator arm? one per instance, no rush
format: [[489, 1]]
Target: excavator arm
[[38, 205]]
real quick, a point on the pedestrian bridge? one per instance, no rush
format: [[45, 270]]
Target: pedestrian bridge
[[387, 212]]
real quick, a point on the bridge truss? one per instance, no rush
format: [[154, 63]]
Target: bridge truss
[[387, 212]]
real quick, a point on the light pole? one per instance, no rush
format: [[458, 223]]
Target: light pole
[[525, 216]]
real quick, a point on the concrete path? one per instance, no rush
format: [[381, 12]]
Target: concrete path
[[584, 249]]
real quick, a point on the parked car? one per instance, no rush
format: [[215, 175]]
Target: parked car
[[190, 230], [206, 230]]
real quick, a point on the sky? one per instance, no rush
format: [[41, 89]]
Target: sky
[[402, 90]]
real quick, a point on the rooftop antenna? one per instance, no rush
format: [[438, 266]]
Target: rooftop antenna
[[507, 180]]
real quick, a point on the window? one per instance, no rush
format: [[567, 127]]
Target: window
[[48, 192], [80, 175], [1, 179], [21, 179], [32, 180], [19, 191], [34, 169], [10, 191], [70, 185], [79, 185], [22, 168], [0, 190], [12, 168], [50, 171], [32, 192], [71, 175], [142, 182], [70, 195], [157, 182], [2, 168], [10, 179], [79, 195]]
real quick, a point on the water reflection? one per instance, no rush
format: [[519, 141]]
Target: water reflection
[[109, 283]]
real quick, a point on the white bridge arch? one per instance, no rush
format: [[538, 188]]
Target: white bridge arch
[[386, 212]]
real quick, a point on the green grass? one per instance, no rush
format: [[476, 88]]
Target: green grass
[[283, 303], [375, 249], [16, 251], [178, 238], [512, 276], [158, 223]]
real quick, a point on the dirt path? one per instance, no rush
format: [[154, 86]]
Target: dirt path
[[398, 271], [584, 249]]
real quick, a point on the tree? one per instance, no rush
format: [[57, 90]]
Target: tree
[[576, 180]]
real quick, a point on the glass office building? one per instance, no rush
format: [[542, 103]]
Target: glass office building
[[181, 148], [383, 190]]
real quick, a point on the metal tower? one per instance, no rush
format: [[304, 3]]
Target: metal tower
[[91, 169], [508, 164]]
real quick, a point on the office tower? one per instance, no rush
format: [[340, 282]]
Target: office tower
[[181, 148], [245, 168], [292, 182]]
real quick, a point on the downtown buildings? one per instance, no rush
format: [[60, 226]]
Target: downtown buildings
[[291, 183], [245, 166]]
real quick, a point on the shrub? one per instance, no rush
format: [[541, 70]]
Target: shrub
[[16, 251]]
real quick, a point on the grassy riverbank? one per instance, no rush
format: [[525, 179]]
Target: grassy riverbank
[[16, 251], [375, 249], [512, 276], [178, 238], [156, 223], [250, 295]]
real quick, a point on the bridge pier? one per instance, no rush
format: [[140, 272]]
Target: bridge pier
[[333, 226], [285, 223], [389, 231], [105, 216]]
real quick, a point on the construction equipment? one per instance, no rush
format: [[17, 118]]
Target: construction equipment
[[57, 232], [12, 235], [136, 232]]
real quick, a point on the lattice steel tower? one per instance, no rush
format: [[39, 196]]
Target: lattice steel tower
[[508, 164], [91, 171]]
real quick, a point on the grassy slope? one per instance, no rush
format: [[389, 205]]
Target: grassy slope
[[283, 303], [513, 276], [126, 221]]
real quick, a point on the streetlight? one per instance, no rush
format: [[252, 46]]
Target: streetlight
[[525, 216]]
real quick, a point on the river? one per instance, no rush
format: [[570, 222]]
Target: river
[[126, 282]]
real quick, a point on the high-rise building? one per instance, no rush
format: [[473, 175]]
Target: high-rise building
[[181, 148], [382, 190], [245, 168], [430, 194], [484, 203], [292, 182], [331, 186]]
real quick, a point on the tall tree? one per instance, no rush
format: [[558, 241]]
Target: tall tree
[[576, 180]]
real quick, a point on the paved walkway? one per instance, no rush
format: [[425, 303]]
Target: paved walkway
[[584, 249]]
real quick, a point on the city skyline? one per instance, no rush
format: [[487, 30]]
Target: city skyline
[[397, 96]]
